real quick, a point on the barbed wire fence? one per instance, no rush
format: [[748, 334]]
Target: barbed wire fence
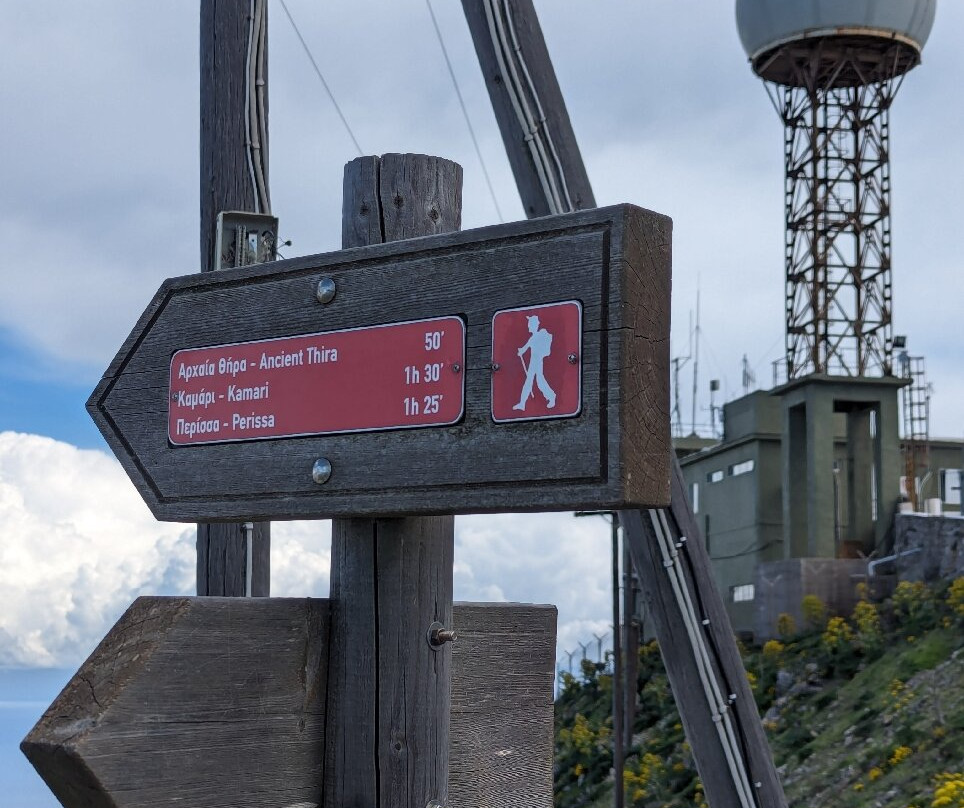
[[597, 650]]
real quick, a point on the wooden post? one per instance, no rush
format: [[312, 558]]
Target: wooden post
[[391, 579], [523, 89], [619, 749], [223, 565], [696, 642], [630, 647]]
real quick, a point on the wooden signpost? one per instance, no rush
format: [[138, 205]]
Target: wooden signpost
[[251, 394], [301, 409]]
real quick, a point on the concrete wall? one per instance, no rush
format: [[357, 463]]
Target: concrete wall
[[782, 585], [940, 540], [757, 413]]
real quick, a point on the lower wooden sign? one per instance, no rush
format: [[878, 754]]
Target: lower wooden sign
[[220, 703], [542, 385]]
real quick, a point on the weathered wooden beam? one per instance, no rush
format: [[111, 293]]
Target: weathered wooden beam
[[705, 669], [222, 563], [389, 703], [502, 66], [220, 703], [529, 106], [502, 716]]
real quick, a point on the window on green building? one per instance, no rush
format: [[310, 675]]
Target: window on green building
[[740, 468], [742, 593]]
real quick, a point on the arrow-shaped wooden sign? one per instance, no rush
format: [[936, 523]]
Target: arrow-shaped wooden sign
[[222, 703], [367, 381]]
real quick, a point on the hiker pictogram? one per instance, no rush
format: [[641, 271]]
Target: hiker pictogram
[[539, 346], [537, 362]]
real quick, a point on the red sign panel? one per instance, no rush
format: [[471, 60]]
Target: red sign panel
[[358, 380], [537, 359]]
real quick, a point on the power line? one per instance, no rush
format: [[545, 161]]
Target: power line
[[321, 78], [465, 112], [766, 353]]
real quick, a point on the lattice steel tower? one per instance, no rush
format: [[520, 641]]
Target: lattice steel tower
[[832, 69]]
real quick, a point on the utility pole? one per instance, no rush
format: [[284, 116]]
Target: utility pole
[[233, 559], [619, 750], [631, 643]]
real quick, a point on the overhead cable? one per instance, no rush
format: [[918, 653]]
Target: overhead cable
[[255, 120], [321, 78], [520, 105], [465, 112], [539, 110]]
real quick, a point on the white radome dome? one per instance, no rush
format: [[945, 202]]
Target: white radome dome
[[766, 25]]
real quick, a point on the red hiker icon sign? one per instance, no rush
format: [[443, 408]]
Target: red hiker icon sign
[[537, 358]]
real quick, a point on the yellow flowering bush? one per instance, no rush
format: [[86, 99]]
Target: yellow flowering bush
[[949, 789], [581, 737], [640, 782], [900, 754], [875, 773], [787, 626], [773, 650], [900, 695], [814, 611], [867, 620], [955, 597], [837, 635], [914, 605]]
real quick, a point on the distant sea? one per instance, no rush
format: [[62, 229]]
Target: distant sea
[[24, 695]]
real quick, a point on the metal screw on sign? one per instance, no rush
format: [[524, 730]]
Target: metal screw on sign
[[438, 635], [326, 290], [321, 471], [572, 359], [456, 367]]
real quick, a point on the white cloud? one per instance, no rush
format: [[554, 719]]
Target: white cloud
[[300, 559], [79, 546]]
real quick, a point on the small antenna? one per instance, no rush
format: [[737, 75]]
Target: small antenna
[[714, 410], [749, 377], [679, 363], [696, 358]]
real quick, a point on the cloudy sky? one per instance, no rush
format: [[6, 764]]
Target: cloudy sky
[[99, 203]]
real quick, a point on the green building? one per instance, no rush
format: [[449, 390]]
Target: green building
[[802, 491]]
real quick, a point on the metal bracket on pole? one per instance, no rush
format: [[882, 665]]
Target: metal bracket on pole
[[245, 238]]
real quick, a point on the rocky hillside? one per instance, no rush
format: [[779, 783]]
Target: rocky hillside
[[865, 711]]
